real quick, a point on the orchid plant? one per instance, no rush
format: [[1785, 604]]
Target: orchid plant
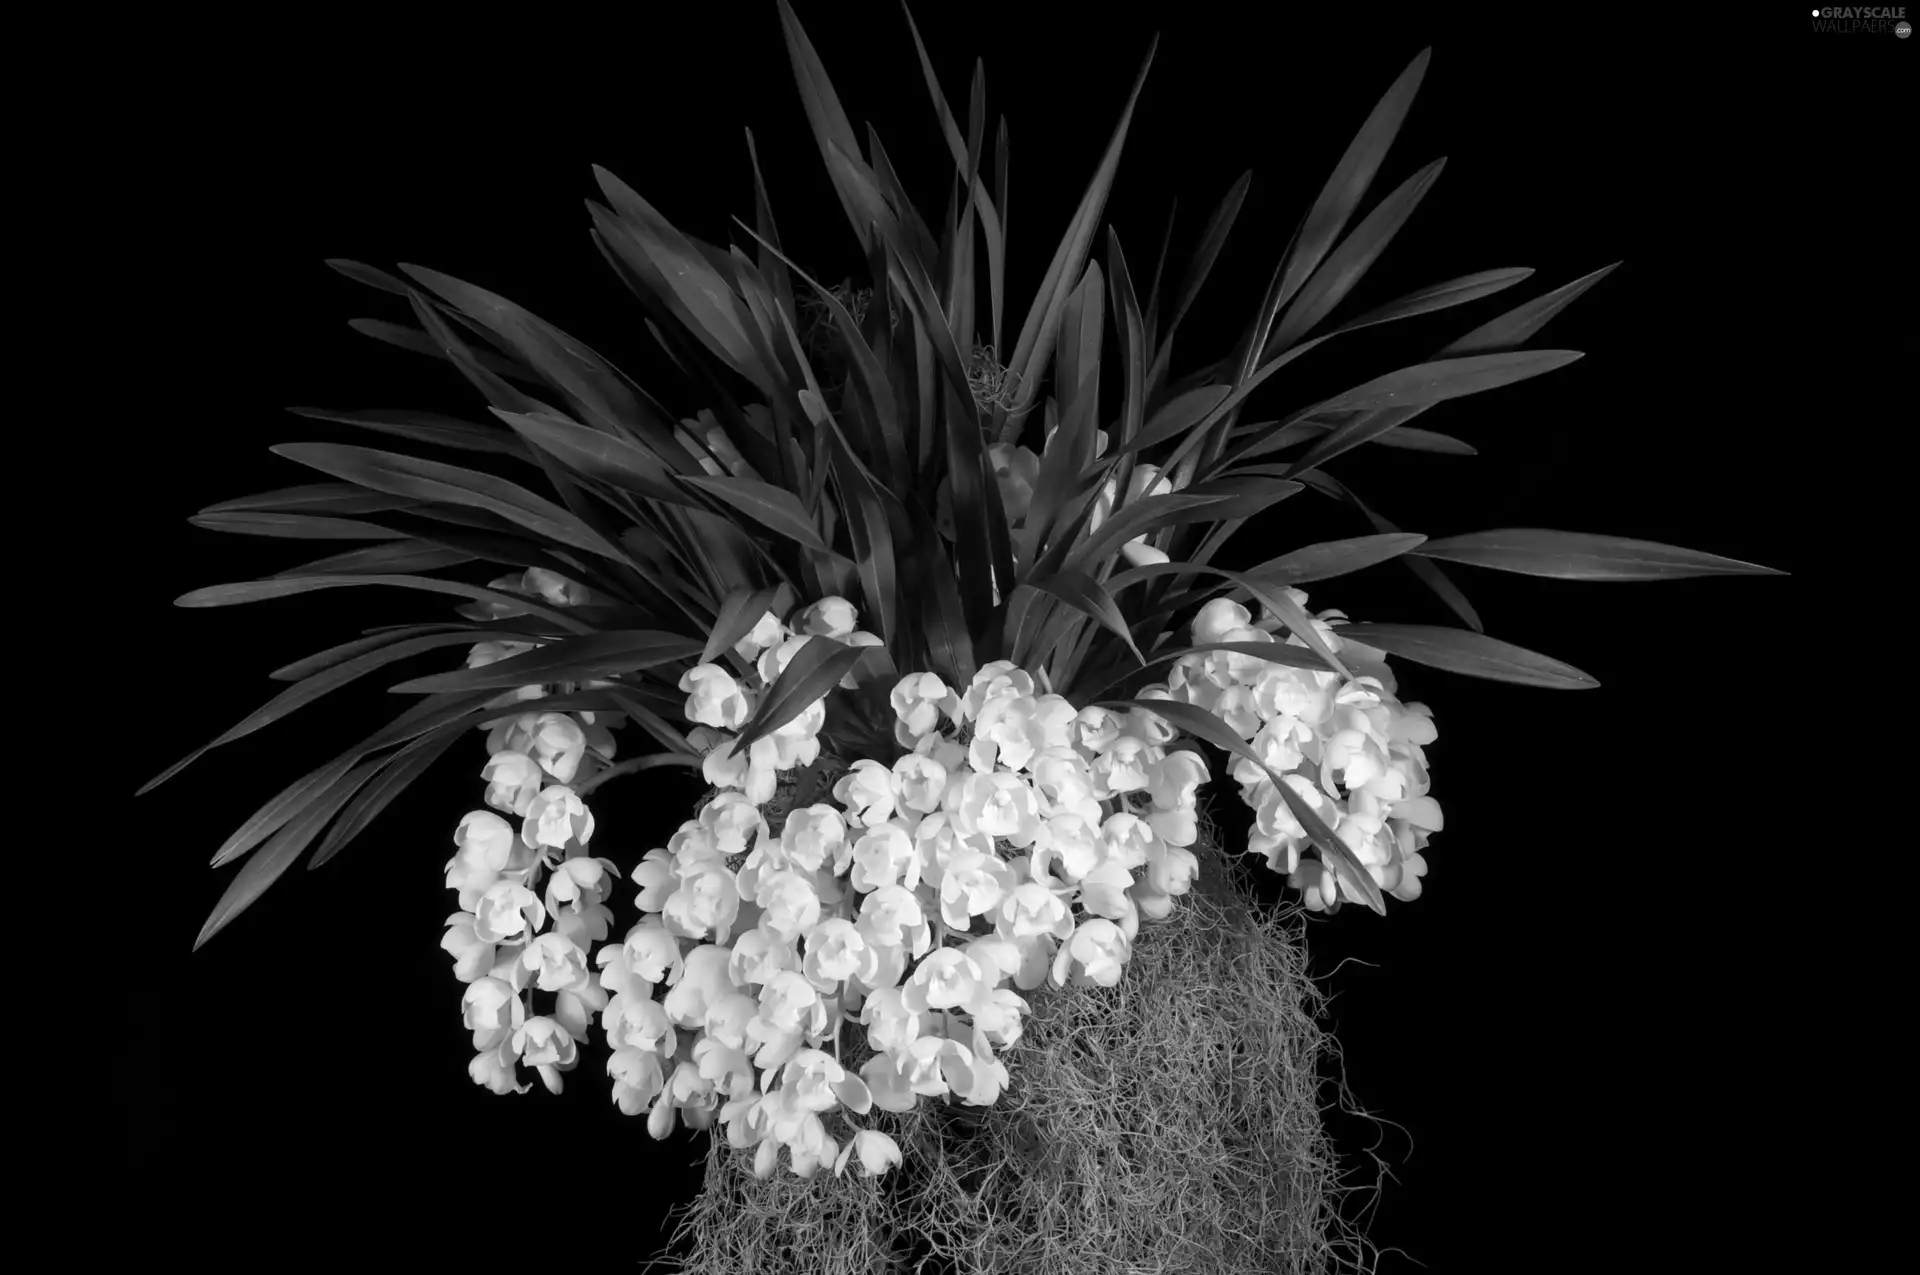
[[943, 632]]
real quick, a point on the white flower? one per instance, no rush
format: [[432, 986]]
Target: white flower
[[637, 1079], [1173, 781], [997, 678], [774, 660], [876, 1151], [556, 817], [812, 836], [1104, 891], [486, 845], [918, 701], [757, 774], [1171, 869], [705, 904], [971, 886], [1071, 840], [1096, 953], [947, 979], [1032, 908], [547, 1047], [634, 1023], [1016, 471], [701, 982], [882, 856], [491, 1010], [999, 805], [890, 1024], [506, 911], [494, 1069], [1010, 729], [735, 823], [867, 792], [651, 952], [919, 781], [555, 589], [472, 955], [485, 653], [1122, 768], [714, 698], [558, 961], [790, 904], [766, 632], [1218, 618], [837, 951], [558, 745], [513, 781], [829, 617], [891, 917], [758, 955]]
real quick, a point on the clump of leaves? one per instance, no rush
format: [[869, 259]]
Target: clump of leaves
[[816, 433]]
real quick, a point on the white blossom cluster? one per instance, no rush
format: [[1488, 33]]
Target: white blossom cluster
[[534, 760], [1352, 752], [1019, 842]]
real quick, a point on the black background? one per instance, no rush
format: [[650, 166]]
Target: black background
[[1565, 1031]]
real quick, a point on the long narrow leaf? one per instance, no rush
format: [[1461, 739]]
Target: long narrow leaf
[[220, 595], [322, 683], [815, 669], [1573, 555], [1474, 654], [433, 481], [266, 867], [576, 659], [397, 773]]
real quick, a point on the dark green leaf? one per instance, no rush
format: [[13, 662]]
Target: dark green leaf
[[1520, 323], [1351, 177], [576, 659], [772, 507], [1035, 346], [590, 382], [221, 595], [400, 770], [252, 522], [266, 867], [1086, 595], [423, 427], [433, 481], [1332, 558], [1428, 573], [1474, 654], [321, 683], [1441, 296], [307, 667], [336, 499], [1574, 555], [413, 339], [604, 457], [739, 612], [815, 669], [1335, 278], [407, 557]]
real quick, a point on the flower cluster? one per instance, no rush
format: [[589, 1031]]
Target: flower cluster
[[1351, 751], [1016, 841], [534, 761]]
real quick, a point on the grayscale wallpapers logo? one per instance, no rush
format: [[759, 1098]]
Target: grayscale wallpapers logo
[[1863, 21]]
